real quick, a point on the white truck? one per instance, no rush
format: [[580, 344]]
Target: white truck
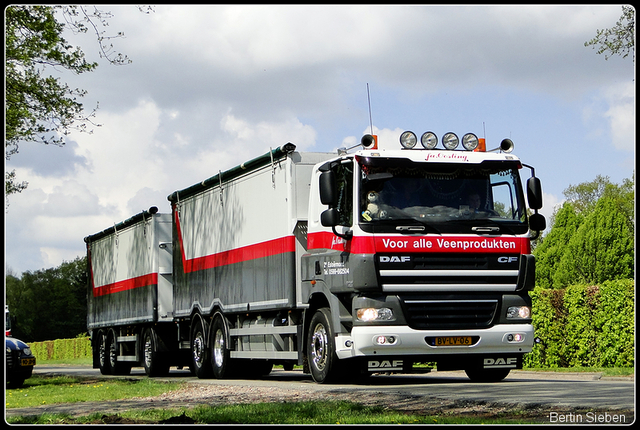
[[349, 264]]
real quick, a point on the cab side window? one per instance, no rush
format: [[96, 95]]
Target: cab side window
[[344, 181]]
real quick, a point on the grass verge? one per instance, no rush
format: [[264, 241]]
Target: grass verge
[[41, 390], [318, 412], [606, 371]]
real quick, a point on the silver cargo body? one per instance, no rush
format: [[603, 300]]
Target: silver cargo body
[[130, 267], [239, 234]]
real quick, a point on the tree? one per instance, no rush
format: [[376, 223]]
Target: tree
[[591, 238], [586, 195], [619, 40], [554, 245], [50, 303], [39, 107], [600, 250]]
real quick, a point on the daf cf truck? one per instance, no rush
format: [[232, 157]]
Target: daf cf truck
[[364, 261]]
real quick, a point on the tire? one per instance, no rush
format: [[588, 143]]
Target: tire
[[116, 367], [220, 354], [200, 357], [103, 349], [154, 362], [321, 350], [484, 375]]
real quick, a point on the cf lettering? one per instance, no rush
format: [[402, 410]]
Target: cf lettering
[[507, 259]]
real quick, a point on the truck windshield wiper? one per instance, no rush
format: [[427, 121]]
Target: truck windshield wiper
[[416, 226], [484, 225]]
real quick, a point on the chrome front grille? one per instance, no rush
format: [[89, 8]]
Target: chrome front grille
[[448, 272]]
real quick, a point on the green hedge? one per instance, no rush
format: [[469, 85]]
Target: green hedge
[[584, 326], [61, 349]]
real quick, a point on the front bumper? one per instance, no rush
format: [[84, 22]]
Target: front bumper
[[376, 341]]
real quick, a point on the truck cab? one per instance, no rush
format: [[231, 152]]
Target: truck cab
[[426, 255]]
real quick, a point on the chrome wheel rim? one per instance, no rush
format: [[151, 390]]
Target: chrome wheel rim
[[218, 349], [113, 353], [198, 349], [103, 350], [319, 347], [147, 350]]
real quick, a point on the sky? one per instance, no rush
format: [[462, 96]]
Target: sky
[[212, 86]]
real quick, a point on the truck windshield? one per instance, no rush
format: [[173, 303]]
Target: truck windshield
[[451, 198]]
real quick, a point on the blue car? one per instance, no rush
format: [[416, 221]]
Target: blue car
[[19, 362]]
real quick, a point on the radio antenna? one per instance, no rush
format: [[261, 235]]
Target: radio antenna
[[369, 100]]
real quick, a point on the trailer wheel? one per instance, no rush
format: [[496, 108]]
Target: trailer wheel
[[103, 353], [487, 375], [200, 361], [154, 363], [116, 367], [220, 354], [321, 349]]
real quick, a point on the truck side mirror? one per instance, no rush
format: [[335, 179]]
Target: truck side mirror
[[534, 193], [330, 217], [328, 188], [537, 222]]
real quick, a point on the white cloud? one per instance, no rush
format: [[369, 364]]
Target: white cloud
[[124, 154], [622, 116], [551, 204], [247, 39], [265, 135]]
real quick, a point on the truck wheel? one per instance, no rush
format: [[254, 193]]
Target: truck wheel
[[220, 354], [116, 367], [200, 361], [153, 361], [484, 375], [103, 353], [321, 349]]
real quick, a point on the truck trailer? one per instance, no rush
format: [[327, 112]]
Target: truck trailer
[[362, 261]]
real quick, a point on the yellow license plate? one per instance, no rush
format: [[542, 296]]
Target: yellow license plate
[[453, 341], [27, 362]]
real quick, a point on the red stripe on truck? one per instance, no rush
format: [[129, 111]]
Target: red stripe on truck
[[268, 248], [457, 244], [245, 253], [127, 284]]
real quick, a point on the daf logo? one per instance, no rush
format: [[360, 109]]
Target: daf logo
[[507, 259], [385, 365], [500, 362], [395, 259]]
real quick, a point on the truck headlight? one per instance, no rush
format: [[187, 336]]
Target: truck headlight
[[519, 312], [374, 314], [429, 140], [470, 141], [408, 140], [450, 141]]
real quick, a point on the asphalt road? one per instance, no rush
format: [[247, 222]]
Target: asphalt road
[[565, 390]]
